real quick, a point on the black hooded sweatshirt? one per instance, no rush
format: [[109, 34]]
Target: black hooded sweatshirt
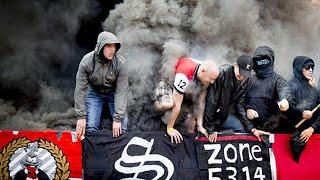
[[266, 90], [304, 96], [225, 91]]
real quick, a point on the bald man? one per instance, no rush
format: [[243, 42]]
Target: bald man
[[187, 72]]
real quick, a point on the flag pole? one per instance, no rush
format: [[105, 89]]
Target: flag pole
[[303, 120]]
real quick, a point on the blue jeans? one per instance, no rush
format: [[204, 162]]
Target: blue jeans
[[233, 123], [94, 105]]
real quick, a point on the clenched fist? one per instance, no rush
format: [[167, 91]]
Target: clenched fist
[[251, 114], [283, 105]]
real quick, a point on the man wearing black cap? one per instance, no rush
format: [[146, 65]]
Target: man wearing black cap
[[230, 86]]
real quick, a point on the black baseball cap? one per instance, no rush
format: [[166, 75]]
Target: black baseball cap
[[245, 64]]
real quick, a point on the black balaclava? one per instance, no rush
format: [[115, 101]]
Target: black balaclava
[[263, 62]]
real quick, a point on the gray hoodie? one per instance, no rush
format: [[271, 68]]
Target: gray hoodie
[[103, 76]]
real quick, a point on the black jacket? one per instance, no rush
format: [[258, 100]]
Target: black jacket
[[304, 96], [266, 90], [225, 91]]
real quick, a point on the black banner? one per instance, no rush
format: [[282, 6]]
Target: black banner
[[153, 156], [234, 157], [139, 156]]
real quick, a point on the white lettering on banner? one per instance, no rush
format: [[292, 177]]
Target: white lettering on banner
[[258, 174], [234, 170], [231, 148], [241, 148], [216, 148], [212, 171], [256, 149], [230, 155], [226, 156], [141, 159], [246, 170]]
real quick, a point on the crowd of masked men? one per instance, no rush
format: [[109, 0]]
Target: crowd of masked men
[[247, 96]]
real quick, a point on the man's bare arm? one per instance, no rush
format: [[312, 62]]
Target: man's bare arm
[[173, 133], [201, 105], [177, 101]]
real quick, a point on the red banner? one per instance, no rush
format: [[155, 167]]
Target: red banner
[[39, 154], [57, 155], [308, 167]]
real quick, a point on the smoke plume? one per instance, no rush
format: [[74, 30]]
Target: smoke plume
[[220, 30], [39, 58]]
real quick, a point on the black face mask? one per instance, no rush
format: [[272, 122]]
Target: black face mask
[[262, 67]]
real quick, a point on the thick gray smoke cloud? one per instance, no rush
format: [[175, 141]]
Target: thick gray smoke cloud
[[39, 58], [211, 29]]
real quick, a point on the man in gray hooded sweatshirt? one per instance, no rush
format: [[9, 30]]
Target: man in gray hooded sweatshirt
[[101, 79]]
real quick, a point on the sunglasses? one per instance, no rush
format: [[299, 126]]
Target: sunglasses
[[307, 67]]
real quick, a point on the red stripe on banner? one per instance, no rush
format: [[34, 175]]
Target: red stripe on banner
[[65, 153], [287, 169], [230, 138]]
